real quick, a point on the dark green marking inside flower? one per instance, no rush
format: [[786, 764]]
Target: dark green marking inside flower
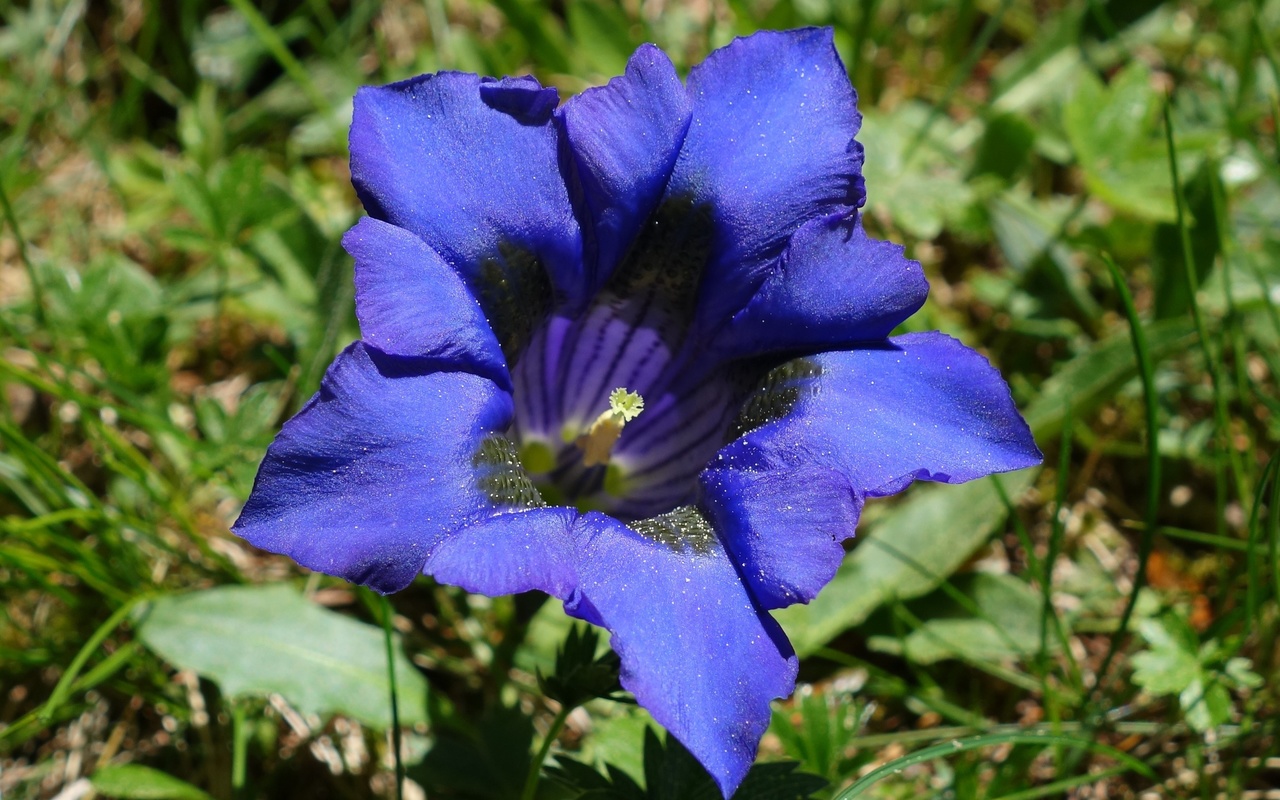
[[683, 529], [515, 294], [665, 264], [776, 395], [501, 475]]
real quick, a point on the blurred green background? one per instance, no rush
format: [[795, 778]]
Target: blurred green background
[[171, 288]]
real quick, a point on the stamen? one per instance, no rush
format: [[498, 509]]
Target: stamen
[[597, 443]]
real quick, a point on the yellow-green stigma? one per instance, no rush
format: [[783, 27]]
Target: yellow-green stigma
[[597, 443]]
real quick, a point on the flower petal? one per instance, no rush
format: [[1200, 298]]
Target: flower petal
[[833, 287], [511, 553], [379, 465], [828, 431], [771, 147], [410, 303], [696, 650], [623, 139], [471, 166]]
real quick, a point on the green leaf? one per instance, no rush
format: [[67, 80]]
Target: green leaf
[[259, 640], [1240, 671], [1005, 147], [1206, 705], [136, 782], [1094, 376], [1009, 628], [1172, 663], [579, 675], [922, 194], [817, 728], [1112, 130]]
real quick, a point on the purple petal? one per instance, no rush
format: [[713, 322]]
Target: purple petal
[[410, 303], [511, 553], [523, 98], [771, 147], [380, 465], [846, 426], [834, 287], [696, 650], [470, 165], [623, 139]]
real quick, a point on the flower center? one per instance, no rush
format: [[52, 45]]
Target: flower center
[[576, 446]]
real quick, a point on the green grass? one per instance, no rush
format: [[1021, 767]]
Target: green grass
[[1091, 186]]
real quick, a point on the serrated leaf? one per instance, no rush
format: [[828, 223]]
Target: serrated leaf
[[259, 640], [136, 782], [1206, 705], [1172, 663]]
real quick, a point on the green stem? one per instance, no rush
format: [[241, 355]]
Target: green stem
[[37, 293], [66, 683], [1146, 370], [535, 767]]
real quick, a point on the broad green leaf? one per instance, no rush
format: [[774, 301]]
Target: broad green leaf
[[259, 640], [1112, 130], [1009, 627], [136, 782]]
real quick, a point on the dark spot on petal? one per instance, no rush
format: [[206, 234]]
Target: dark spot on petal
[[665, 265], [501, 477], [515, 293], [686, 528], [776, 395]]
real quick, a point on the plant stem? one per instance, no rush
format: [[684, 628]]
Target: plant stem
[[535, 767]]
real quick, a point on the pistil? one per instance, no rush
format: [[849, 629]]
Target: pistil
[[597, 443]]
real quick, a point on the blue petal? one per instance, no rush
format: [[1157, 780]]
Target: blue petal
[[471, 166], [511, 553], [380, 465], [410, 303], [696, 650], [864, 423], [523, 98], [623, 140], [834, 287], [771, 147]]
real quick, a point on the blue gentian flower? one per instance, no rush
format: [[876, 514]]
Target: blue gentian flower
[[632, 351]]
